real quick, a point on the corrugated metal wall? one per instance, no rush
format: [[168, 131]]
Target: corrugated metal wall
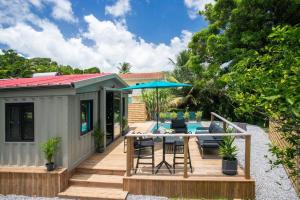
[[50, 109], [80, 146]]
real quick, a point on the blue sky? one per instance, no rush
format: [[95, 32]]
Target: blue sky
[[101, 33]]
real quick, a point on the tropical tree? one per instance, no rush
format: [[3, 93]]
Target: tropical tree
[[124, 68]]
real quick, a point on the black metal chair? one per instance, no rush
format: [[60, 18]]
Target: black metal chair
[[141, 145], [178, 148]]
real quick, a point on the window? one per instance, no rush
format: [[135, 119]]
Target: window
[[86, 116], [19, 122]]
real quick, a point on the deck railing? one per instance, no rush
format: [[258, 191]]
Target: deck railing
[[242, 133]]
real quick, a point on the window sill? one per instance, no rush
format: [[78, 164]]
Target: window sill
[[86, 134], [21, 142]]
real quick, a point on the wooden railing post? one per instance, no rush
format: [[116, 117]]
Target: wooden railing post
[[129, 156], [247, 156], [186, 143], [212, 117]]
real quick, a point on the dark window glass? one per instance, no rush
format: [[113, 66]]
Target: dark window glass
[[86, 116], [19, 122]]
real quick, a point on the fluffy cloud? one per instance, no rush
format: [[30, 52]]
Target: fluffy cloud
[[119, 9], [113, 44], [195, 5], [14, 11], [62, 10]]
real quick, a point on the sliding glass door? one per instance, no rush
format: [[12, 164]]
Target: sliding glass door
[[113, 116]]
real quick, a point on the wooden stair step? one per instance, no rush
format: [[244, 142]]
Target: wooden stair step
[[97, 180], [101, 171], [93, 193]]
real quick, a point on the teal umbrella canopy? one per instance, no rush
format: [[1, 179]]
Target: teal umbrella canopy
[[156, 84]]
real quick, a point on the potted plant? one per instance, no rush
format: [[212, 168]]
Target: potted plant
[[50, 148], [228, 151], [198, 116], [124, 126], [162, 117], [173, 115], [186, 116], [98, 137]]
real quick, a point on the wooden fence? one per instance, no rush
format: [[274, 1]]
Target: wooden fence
[[276, 138]]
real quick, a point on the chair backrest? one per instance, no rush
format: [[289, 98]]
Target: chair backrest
[[178, 123], [180, 115]]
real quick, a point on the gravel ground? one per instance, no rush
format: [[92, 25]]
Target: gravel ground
[[270, 184]]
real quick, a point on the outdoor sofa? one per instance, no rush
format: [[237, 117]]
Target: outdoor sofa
[[209, 142]]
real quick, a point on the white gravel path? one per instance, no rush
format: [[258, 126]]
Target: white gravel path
[[270, 184]]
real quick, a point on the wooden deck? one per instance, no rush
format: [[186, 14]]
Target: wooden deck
[[102, 176]]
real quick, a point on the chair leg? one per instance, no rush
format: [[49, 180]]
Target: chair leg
[[138, 160], [153, 160], [174, 157], [190, 161]]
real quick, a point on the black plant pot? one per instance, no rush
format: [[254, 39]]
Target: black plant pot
[[50, 166], [229, 167], [100, 149]]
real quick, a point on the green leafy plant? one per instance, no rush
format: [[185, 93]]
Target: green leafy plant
[[162, 116], [124, 123], [98, 137], [227, 149], [198, 115], [173, 115], [186, 116], [50, 148]]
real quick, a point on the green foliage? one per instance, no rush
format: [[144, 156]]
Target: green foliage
[[50, 148], [149, 97], [98, 137], [124, 123], [246, 66], [173, 115], [186, 115], [124, 68], [198, 115], [162, 116], [15, 65], [227, 149]]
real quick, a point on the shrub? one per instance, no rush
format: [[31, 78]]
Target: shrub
[[50, 148], [186, 115], [98, 137], [227, 149], [198, 115]]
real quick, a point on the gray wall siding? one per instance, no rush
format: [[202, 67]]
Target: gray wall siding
[[50, 119], [80, 146]]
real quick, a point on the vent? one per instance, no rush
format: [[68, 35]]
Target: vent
[[45, 74]]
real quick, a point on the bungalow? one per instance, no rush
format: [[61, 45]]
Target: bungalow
[[67, 106]]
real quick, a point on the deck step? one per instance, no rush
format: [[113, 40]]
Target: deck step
[[97, 180], [93, 193], [100, 171]]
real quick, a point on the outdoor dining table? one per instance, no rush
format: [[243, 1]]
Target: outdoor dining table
[[169, 166]]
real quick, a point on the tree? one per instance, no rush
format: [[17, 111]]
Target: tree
[[250, 55], [124, 68]]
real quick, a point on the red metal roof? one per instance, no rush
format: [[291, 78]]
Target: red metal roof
[[48, 80], [152, 75]]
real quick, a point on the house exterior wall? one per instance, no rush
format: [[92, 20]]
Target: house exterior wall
[[50, 109], [80, 146]]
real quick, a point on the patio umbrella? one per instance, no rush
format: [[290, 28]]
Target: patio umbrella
[[156, 85]]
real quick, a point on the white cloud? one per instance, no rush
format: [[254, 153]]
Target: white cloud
[[62, 9], [113, 44], [195, 5], [14, 11], [119, 9]]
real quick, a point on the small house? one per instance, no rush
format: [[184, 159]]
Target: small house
[[66, 106]]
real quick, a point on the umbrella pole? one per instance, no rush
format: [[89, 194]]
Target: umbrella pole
[[157, 110]]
